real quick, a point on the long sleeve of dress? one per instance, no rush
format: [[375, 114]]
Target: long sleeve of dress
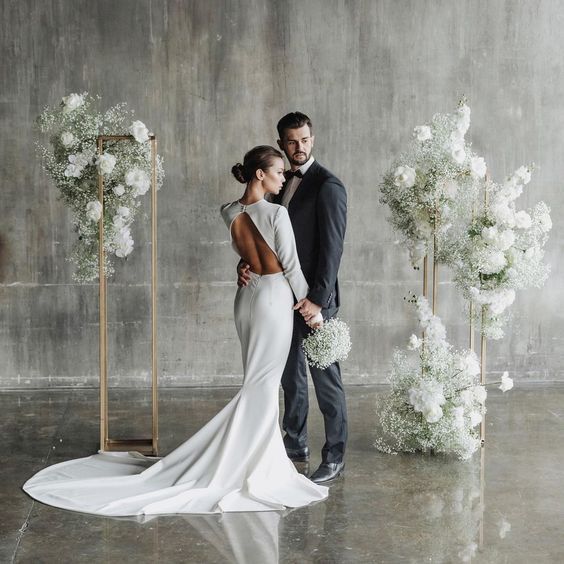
[[285, 244]]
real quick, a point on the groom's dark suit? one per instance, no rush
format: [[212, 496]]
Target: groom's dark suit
[[318, 212]]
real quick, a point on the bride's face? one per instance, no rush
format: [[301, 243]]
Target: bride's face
[[273, 176]]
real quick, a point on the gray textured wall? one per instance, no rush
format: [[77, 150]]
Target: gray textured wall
[[211, 78]]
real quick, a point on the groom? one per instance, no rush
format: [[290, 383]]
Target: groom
[[317, 206]]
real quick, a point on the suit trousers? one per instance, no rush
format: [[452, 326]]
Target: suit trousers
[[328, 390]]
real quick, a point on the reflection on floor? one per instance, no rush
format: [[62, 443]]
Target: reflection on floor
[[506, 505]]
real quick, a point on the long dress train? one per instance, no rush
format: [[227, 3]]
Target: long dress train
[[237, 461]]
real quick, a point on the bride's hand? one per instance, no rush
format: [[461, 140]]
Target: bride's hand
[[315, 322], [308, 309]]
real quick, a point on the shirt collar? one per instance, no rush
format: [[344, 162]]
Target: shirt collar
[[305, 167]]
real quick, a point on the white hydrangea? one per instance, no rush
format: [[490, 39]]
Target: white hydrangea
[[404, 177], [94, 210], [139, 180], [478, 167], [422, 133], [506, 382], [72, 102], [139, 130], [106, 163], [523, 220], [68, 139]]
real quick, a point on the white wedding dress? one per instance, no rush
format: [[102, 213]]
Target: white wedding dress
[[237, 461]]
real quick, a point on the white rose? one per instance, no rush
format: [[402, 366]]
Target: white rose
[[475, 418], [458, 154], [119, 190], [71, 102], [502, 212], [523, 175], [545, 223], [480, 393], [118, 221], [123, 242], [80, 159], [94, 210], [523, 220], [422, 133], [139, 180], [505, 239], [123, 211], [432, 413], [73, 170], [404, 177], [68, 139], [493, 261], [478, 167], [500, 300], [489, 234], [463, 111], [463, 118], [511, 189], [139, 130], [468, 364], [506, 382], [414, 342], [415, 399], [504, 527], [458, 413], [106, 163]]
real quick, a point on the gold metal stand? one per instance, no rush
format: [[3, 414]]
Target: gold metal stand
[[147, 445], [483, 342]]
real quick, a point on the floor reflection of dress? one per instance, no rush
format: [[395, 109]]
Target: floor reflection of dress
[[237, 461], [243, 538]]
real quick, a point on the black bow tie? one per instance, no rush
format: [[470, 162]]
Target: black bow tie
[[297, 173]]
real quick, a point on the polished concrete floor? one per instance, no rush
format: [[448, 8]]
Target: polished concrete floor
[[506, 505]]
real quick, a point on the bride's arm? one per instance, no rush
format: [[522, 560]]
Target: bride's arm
[[285, 243]]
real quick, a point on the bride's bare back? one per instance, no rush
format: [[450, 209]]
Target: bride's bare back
[[252, 247]]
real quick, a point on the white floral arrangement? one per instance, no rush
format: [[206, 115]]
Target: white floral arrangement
[[327, 344], [436, 401], [433, 181], [71, 160], [500, 251]]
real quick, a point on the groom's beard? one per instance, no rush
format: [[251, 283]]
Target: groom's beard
[[302, 158]]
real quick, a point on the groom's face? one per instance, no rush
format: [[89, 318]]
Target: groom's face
[[297, 145]]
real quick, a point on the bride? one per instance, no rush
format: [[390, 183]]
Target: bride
[[237, 461]]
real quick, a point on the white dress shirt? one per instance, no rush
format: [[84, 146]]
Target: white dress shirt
[[293, 183]]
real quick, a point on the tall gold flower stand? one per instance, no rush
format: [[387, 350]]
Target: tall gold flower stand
[[149, 445], [472, 344]]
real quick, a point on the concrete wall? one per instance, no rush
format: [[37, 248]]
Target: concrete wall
[[211, 78]]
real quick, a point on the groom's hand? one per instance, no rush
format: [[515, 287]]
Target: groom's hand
[[308, 309], [243, 277]]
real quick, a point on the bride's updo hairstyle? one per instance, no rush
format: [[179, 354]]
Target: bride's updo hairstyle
[[260, 157]]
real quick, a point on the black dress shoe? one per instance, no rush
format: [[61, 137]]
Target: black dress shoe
[[298, 454], [327, 471]]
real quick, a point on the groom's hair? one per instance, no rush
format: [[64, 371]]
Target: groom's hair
[[293, 120]]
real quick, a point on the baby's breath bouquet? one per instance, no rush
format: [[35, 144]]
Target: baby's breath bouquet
[[433, 182], [328, 344], [500, 251], [71, 160], [436, 400]]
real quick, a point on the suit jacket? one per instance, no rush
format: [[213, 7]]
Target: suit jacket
[[318, 212]]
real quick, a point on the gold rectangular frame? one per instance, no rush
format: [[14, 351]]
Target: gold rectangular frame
[[144, 445]]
